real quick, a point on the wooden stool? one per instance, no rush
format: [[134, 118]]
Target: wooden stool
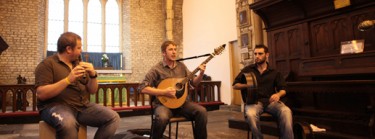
[[47, 132]]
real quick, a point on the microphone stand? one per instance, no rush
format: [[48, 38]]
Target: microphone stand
[[181, 59]]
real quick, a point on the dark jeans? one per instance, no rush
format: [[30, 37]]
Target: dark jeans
[[190, 110], [66, 120]]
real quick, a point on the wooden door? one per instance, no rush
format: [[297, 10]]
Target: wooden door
[[235, 55]]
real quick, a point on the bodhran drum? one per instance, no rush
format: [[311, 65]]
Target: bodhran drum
[[251, 91]]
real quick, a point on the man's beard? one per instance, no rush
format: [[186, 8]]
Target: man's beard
[[262, 61]]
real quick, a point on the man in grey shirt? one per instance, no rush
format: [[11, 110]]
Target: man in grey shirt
[[166, 69]]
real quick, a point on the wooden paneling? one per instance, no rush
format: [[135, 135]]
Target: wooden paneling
[[349, 64], [327, 34], [339, 106], [368, 36], [325, 88], [286, 45], [317, 33]]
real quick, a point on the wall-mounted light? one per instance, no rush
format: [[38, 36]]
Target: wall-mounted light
[[366, 25], [341, 3]]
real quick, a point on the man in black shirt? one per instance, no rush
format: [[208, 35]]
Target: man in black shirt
[[270, 88]]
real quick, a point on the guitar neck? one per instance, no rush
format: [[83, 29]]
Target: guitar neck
[[191, 75]]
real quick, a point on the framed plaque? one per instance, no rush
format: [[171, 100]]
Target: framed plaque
[[244, 18], [354, 46], [244, 40], [341, 3]]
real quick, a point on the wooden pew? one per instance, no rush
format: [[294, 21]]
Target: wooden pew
[[344, 108]]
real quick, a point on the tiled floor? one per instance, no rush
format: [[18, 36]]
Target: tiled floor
[[217, 128]]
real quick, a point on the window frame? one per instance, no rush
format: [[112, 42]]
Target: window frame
[[85, 29]]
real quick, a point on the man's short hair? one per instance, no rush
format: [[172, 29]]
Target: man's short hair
[[67, 39], [165, 44], [259, 46]]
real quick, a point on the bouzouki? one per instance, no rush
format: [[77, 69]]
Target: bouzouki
[[181, 84]]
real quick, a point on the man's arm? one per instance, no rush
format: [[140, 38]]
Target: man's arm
[[240, 86], [168, 92], [147, 86], [92, 86], [281, 86], [49, 91], [199, 78], [238, 83], [276, 97]]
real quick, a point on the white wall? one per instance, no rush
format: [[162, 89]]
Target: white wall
[[207, 24]]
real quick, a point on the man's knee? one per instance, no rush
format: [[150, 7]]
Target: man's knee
[[251, 113], [286, 111], [116, 116], [202, 111], [162, 118]]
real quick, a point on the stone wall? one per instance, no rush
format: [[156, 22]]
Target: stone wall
[[22, 26], [146, 31]]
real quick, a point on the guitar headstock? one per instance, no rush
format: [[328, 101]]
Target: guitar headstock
[[219, 50]]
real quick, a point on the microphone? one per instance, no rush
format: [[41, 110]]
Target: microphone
[[366, 25]]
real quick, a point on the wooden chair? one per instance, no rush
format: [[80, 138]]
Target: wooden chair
[[175, 119], [48, 132]]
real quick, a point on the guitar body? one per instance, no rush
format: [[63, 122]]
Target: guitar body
[[181, 92]]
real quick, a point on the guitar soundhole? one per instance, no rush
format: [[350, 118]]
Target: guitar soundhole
[[179, 90]]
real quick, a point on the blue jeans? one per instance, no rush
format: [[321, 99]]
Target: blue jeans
[[66, 120], [276, 109], [190, 110]]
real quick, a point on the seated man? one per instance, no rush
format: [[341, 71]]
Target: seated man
[[170, 68], [63, 86], [271, 87]]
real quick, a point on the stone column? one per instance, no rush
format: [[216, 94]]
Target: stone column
[[103, 2], [258, 33], [85, 14], [169, 20]]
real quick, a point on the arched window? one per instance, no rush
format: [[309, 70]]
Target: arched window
[[96, 21], [112, 27], [55, 23], [94, 26], [75, 21]]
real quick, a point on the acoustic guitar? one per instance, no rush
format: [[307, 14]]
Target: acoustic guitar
[[181, 84]]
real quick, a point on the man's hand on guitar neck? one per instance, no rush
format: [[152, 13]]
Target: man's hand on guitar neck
[[202, 68], [198, 78], [170, 92]]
